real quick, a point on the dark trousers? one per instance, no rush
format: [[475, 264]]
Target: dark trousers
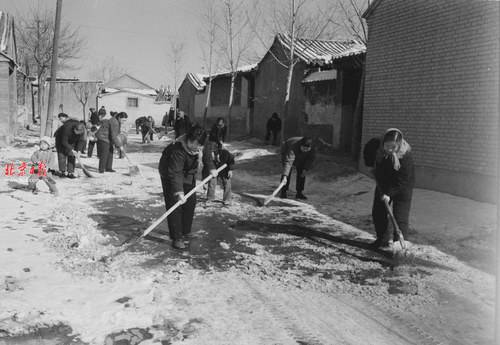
[[401, 210], [105, 153], [274, 134], [299, 183], [181, 220], [66, 162], [90, 148]]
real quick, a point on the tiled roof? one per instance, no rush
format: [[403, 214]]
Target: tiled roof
[[322, 51], [196, 80]]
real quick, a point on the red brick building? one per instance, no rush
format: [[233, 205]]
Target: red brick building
[[432, 70]]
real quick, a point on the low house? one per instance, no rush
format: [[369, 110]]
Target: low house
[[8, 80], [193, 95], [432, 70], [134, 97], [322, 93]]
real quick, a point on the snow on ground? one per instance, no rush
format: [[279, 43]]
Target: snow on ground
[[249, 270]]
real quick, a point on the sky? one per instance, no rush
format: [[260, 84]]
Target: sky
[[136, 33]]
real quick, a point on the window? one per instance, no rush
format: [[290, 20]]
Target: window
[[132, 102]]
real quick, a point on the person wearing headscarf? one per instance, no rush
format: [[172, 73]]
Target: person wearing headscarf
[[394, 173]]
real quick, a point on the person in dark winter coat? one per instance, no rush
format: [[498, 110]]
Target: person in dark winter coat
[[296, 152], [94, 117], [218, 132], [70, 140], [182, 123], [273, 128], [107, 138], [92, 140], [178, 167], [214, 156], [395, 176]]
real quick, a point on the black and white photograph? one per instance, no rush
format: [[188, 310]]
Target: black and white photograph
[[249, 172]]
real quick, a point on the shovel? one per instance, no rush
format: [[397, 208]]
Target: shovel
[[85, 171], [263, 201], [133, 169], [395, 224], [130, 242]]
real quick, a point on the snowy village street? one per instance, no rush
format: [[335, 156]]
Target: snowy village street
[[288, 273]]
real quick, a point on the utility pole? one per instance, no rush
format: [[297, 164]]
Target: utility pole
[[53, 70]]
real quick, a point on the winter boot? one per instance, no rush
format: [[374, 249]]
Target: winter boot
[[71, 175], [178, 244], [300, 196]]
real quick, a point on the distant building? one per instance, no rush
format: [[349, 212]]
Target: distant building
[[193, 96], [432, 70], [324, 89], [134, 97], [8, 80]]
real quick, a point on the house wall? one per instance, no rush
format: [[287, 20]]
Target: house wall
[[8, 102], [270, 90], [146, 106], [187, 94], [432, 70]]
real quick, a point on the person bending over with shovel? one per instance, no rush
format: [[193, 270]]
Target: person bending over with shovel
[[298, 152], [395, 176], [178, 167]]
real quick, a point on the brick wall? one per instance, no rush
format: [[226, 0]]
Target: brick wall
[[5, 104], [432, 71]]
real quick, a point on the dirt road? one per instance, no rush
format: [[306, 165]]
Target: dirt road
[[284, 274]]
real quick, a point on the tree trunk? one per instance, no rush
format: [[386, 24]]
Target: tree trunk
[[53, 70], [41, 96], [207, 103], [286, 104], [84, 112], [230, 107], [358, 119]]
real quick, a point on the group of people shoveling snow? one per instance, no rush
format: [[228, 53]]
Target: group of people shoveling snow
[[390, 158]]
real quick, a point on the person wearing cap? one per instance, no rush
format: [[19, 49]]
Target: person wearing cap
[[178, 167], [107, 138], [394, 173], [218, 132], [70, 139], [44, 157], [296, 152]]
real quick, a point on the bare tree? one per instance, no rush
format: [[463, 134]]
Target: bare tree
[[355, 24], [208, 37], [175, 55], [298, 18], [107, 70], [82, 92], [234, 43], [35, 34]]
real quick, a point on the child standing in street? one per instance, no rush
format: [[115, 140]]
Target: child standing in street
[[214, 156], [44, 162]]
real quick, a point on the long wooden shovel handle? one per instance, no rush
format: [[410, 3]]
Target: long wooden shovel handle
[[282, 184], [180, 202], [395, 224]]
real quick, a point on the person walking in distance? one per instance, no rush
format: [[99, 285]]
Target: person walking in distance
[[395, 177], [296, 152], [178, 167], [273, 128], [107, 139]]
